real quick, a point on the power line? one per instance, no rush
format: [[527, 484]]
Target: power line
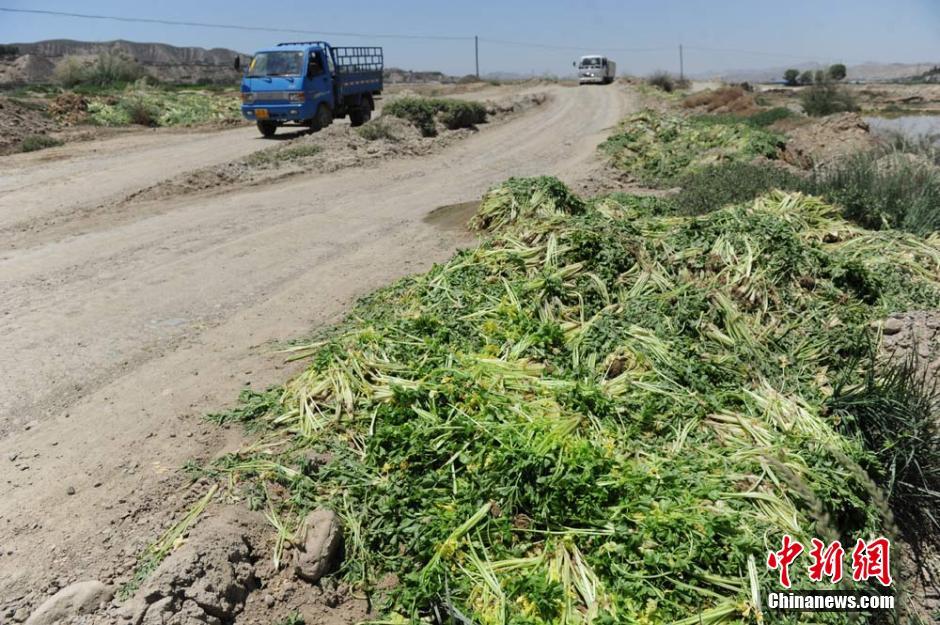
[[146, 20], [548, 46], [165, 22]]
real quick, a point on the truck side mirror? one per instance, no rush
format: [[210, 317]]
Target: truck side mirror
[[574, 63], [238, 63]]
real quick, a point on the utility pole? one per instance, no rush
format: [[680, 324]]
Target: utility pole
[[681, 64], [476, 52]]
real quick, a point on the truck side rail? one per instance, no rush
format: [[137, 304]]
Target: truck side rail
[[358, 69]]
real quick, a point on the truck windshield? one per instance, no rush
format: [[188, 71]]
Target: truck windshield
[[593, 61], [277, 64]]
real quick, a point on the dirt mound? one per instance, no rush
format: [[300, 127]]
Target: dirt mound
[[26, 69], [208, 579], [69, 108], [20, 119], [722, 100], [818, 144]]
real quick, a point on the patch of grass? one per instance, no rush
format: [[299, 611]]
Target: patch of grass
[[39, 142], [598, 414], [423, 112], [896, 412], [276, 155], [878, 191], [826, 98], [376, 130], [760, 119], [734, 182], [658, 148]]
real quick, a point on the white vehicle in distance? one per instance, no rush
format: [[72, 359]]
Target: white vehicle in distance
[[596, 69]]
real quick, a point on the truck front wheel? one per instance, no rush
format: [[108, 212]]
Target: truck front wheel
[[267, 128], [322, 119]]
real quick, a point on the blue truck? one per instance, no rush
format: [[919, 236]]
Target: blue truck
[[310, 83]]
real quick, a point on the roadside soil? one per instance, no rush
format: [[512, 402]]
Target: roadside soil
[[120, 334]]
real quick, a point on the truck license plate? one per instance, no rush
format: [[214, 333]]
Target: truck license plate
[[261, 113]]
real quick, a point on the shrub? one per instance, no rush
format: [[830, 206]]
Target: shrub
[[721, 184], [422, 112], [38, 142], [69, 72], [418, 111], [806, 78], [462, 114], [114, 68], [110, 68], [666, 82], [140, 110], [898, 191], [791, 76], [6, 50], [825, 98], [377, 129]]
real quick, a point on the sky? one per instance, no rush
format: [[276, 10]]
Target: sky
[[641, 36]]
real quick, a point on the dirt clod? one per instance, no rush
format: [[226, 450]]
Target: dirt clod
[[206, 580]]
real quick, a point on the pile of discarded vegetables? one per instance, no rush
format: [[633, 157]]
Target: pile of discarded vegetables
[[597, 415]]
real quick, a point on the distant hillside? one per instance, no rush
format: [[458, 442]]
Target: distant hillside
[[865, 72], [36, 62]]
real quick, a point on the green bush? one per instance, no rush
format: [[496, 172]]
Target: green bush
[[825, 98], [141, 110], [722, 184], [462, 114], [791, 76], [377, 129], [898, 191], [38, 142], [422, 112], [109, 69]]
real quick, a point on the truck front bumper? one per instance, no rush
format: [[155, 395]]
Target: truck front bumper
[[584, 80], [294, 112]]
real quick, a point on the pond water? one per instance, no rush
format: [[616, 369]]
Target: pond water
[[910, 126]]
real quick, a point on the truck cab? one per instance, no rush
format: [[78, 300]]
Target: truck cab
[[596, 69], [310, 84]]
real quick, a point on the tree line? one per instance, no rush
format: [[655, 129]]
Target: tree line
[[793, 77]]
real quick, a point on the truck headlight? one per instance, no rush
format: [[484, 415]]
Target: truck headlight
[[248, 97], [296, 96]]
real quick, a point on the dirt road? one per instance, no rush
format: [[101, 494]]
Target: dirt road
[[117, 336]]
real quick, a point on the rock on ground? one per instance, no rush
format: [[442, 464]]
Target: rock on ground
[[323, 546], [73, 600]]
